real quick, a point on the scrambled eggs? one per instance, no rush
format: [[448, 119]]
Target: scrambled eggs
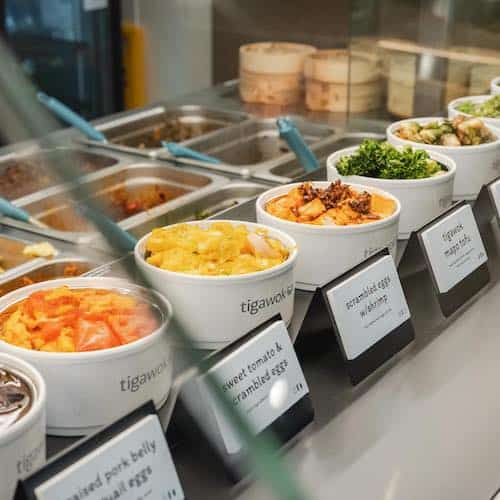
[[65, 320], [222, 249]]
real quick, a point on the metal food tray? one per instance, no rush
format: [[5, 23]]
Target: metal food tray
[[59, 210], [12, 258], [212, 204], [288, 171], [244, 148], [47, 270], [24, 174], [142, 132]]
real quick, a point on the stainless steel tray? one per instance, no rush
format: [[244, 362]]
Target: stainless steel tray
[[47, 270], [139, 182], [214, 203], [142, 132], [23, 174], [292, 169], [246, 147], [11, 256]]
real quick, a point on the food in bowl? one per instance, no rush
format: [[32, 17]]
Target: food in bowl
[[381, 160], [460, 131], [489, 108], [337, 204], [69, 320], [16, 398], [23, 398], [221, 249]]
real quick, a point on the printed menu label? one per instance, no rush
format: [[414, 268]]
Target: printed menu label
[[134, 465], [368, 305], [263, 379], [494, 188], [454, 248]]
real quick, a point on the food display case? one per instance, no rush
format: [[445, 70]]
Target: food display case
[[340, 282]]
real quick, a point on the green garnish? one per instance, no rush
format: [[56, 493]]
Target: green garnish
[[383, 161], [489, 108]]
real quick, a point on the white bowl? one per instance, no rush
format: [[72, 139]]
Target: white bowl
[[421, 199], [326, 252], [495, 86], [22, 445], [216, 310], [87, 390], [476, 165], [454, 112]]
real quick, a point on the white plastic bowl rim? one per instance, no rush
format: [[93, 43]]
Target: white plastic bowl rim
[[269, 195], [391, 129], [32, 375], [476, 99], [444, 160], [106, 283], [287, 240]]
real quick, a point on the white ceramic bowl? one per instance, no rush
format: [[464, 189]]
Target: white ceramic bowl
[[326, 252], [421, 199], [453, 111], [216, 310], [495, 86], [87, 390], [476, 165], [22, 445]]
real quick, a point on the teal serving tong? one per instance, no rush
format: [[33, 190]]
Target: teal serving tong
[[70, 117], [289, 132]]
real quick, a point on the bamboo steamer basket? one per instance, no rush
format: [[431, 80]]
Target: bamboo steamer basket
[[272, 72], [338, 80], [401, 83]]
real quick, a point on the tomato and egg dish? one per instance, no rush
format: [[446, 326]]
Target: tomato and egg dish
[[76, 320]]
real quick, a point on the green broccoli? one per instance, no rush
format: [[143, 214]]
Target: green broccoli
[[382, 160]]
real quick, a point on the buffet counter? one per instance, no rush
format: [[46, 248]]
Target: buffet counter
[[421, 426]]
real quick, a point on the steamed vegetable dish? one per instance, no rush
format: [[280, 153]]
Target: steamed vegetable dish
[[66, 320], [489, 108], [460, 131], [338, 204], [221, 249], [383, 161]]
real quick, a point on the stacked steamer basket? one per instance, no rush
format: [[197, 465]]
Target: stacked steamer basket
[[272, 72], [337, 80]]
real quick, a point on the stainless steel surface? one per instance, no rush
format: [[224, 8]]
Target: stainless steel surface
[[292, 169], [160, 185], [215, 203], [48, 270], [142, 132], [27, 173], [246, 147]]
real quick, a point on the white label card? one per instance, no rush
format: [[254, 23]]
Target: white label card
[[454, 248], [263, 379], [368, 305], [135, 465], [494, 188]]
